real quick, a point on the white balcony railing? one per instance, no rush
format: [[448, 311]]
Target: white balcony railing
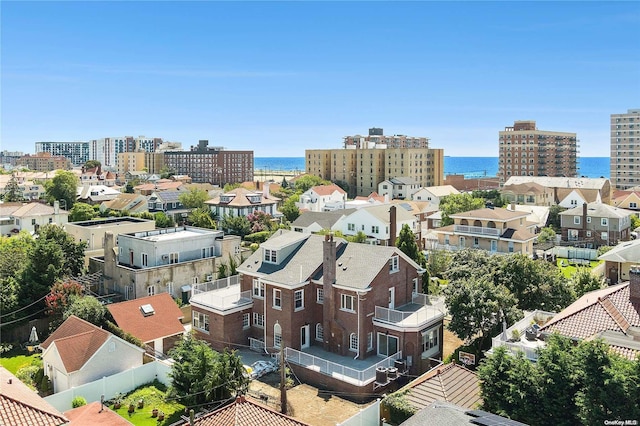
[[416, 318], [339, 371], [477, 230], [216, 284]]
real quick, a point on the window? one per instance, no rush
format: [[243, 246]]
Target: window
[[201, 321], [510, 246], [258, 320], [369, 341], [463, 242], [170, 287], [346, 302], [604, 236], [145, 259], [414, 286], [446, 239], [476, 242], [298, 300], [50, 220], [151, 290], [604, 221], [258, 289], [387, 345], [246, 318], [277, 335], [394, 264], [353, 342], [320, 295], [173, 258], [588, 219], [319, 332], [277, 298], [576, 220], [270, 256], [430, 339], [33, 221], [351, 226], [633, 205], [375, 229]]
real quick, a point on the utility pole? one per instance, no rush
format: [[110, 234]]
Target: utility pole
[[283, 377]]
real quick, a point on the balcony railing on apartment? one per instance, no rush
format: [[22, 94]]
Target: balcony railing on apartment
[[479, 230], [339, 371], [216, 284], [221, 295], [408, 315]]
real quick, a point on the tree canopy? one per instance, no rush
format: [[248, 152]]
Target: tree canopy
[[236, 225], [458, 203], [202, 218], [289, 208], [163, 220], [92, 164], [12, 191], [584, 281], [81, 211], [306, 182], [63, 186], [406, 242], [194, 198]]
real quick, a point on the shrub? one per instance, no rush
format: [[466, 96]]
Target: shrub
[[258, 237], [27, 375], [78, 401], [399, 408], [124, 335], [45, 385]]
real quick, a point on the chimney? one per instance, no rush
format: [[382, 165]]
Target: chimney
[[265, 190], [634, 283], [392, 226], [56, 207], [328, 279], [513, 207], [192, 417], [584, 219]]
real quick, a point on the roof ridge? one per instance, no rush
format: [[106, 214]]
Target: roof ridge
[[614, 313]]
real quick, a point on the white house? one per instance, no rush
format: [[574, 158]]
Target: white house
[[376, 223], [323, 198], [16, 217], [576, 198], [78, 352], [434, 194], [312, 222], [398, 188]]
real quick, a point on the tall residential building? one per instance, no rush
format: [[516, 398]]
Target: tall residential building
[[106, 150], [213, 165], [131, 162], [527, 151], [377, 139], [625, 149], [154, 162], [44, 162], [77, 152], [364, 165]]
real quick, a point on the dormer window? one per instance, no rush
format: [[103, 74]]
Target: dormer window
[[270, 256]]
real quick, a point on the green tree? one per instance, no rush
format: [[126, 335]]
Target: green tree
[[406, 242], [438, 262], [306, 182], [194, 198], [583, 281], [230, 187], [166, 172], [81, 211], [546, 234], [88, 308], [63, 186], [553, 220], [92, 164], [260, 221], [9, 291], [359, 238], [458, 203], [289, 208], [236, 225], [202, 218], [163, 220], [635, 222], [12, 192], [477, 308], [14, 254]]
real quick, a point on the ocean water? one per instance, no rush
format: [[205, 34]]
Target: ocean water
[[593, 167]]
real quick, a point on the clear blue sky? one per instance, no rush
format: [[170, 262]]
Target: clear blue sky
[[281, 77]]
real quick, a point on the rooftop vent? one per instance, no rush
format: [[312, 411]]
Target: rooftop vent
[[147, 310]]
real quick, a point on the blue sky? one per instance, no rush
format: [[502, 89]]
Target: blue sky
[[282, 77]]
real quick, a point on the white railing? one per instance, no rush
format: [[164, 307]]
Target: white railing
[[513, 347], [215, 285], [407, 319], [256, 345], [480, 230], [339, 371]]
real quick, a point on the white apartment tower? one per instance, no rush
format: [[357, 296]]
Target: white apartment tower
[[625, 149]]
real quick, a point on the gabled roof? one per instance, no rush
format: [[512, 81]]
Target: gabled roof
[[447, 414], [77, 341], [93, 414], [524, 188], [35, 209], [7, 209], [441, 190], [326, 220], [164, 322], [403, 180], [159, 186], [374, 196], [599, 210], [490, 214], [168, 196], [628, 251], [620, 196], [538, 215], [450, 382], [327, 189], [381, 212], [122, 202], [20, 405], [246, 412], [240, 198]]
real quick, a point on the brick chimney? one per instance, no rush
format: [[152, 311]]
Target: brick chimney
[[634, 283], [392, 225], [584, 220], [328, 279]]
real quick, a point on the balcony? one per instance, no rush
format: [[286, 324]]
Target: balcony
[[221, 296], [529, 346], [415, 316], [477, 230]]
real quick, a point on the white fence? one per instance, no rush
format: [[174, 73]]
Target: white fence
[[111, 385], [575, 253], [368, 416], [216, 285], [339, 371]]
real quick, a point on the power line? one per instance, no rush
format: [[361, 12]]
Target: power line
[[22, 309], [23, 318]]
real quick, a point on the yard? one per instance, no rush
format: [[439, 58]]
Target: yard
[[153, 396], [17, 358], [569, 266]]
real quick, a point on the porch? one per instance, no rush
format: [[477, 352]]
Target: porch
[[423, 311], [221, 295]]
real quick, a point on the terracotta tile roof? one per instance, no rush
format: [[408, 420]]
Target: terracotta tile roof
[[19, 405], [327, 189], [163, 323], [450, 382], [76, 341], [628, 353], [246, 412], [90, 415]]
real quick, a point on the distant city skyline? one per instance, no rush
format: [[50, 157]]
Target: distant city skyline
[[281, 77]]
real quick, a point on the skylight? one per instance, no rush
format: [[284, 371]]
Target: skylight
[[147, 310]]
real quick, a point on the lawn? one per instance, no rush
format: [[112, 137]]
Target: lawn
[[17, 358], [153, 395], [568, 270]]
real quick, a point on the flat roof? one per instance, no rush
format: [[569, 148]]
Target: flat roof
[[108, 222]]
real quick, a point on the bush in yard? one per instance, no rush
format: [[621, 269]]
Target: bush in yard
[[398, 407], [28, 374], [78, 401]]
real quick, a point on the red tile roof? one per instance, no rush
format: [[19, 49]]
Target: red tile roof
[[91, 415], [450, 382], [246, 412], [19, 405], [76, 341], [164, 322]]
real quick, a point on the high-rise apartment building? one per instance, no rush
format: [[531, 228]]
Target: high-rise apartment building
[[106, 150], [366, 163], [131, 162], [625, 149], [376, 139], [526, 151], [77, 152], [213, 165]]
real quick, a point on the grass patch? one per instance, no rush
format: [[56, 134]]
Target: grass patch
[[153, 395], [568, 269], [17, 358]]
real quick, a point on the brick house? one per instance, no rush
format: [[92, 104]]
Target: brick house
[[312, 293], [596, 224]]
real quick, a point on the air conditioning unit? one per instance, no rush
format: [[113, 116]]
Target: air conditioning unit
[[165, 256], [209, 277]]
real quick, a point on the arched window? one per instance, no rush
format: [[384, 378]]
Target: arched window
[[319, 332], [277, 335], [477, 223], [353, 342]]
